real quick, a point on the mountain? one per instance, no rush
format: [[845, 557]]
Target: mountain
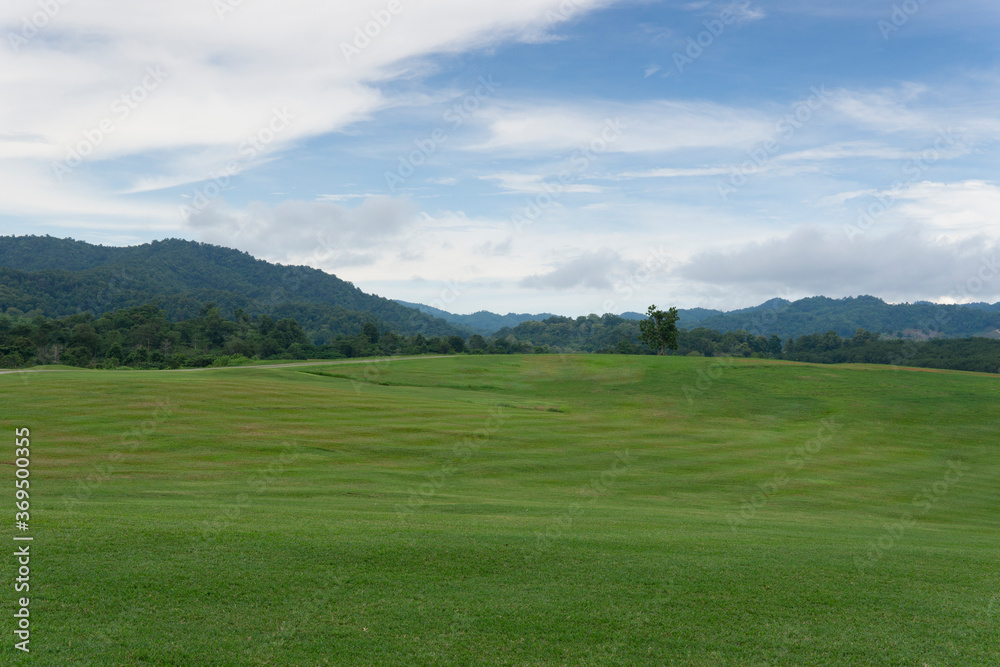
[[777, 318], [484, 322], [783, 318], [688, 316], [60, 277], [788, 319], [993, 307], [481, 322]]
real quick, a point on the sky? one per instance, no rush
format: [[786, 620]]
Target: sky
[[564, 156]]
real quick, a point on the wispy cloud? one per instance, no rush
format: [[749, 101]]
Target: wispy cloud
[[650, 127], [536, 183], [668, 172]]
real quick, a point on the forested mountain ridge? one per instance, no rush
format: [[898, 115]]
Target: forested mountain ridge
[[487, 323], [791, 319], [481, 322], [688, 315], [61, 277]]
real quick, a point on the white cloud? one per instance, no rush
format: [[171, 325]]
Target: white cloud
[[903, 265], [859, 149], [594, 269], [675, 173], [648, 127], [344, 197], [316, 233], [963, 209], [744, 13], [842, 197], [915, 109], [535, 184], [221, 77]]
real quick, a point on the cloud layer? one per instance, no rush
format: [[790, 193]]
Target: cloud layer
[[895, 265], [798, 149]]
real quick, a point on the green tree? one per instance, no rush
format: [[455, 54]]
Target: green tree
[[117, 353], [84, 336], [660, 330], [370, 331]]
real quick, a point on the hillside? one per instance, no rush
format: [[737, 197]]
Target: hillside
[[536, 510], [61, 277]]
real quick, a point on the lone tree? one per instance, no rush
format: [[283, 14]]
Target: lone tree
[[660, 330]]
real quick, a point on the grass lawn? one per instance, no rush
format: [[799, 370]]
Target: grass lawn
[[510, 510]]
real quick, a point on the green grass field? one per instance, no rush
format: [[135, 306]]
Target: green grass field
[[510, 510]]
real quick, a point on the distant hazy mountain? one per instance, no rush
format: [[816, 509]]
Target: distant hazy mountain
[[845, 316], [60, 277], [482, 322], [788, 319], [992, 307], [688, 316]]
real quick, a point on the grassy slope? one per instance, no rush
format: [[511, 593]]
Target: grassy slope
[[174, 527]]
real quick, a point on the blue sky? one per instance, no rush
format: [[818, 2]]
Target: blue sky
[[567, 156]]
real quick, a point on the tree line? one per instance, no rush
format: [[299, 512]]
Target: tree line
[[144, 337], [610, 334]]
